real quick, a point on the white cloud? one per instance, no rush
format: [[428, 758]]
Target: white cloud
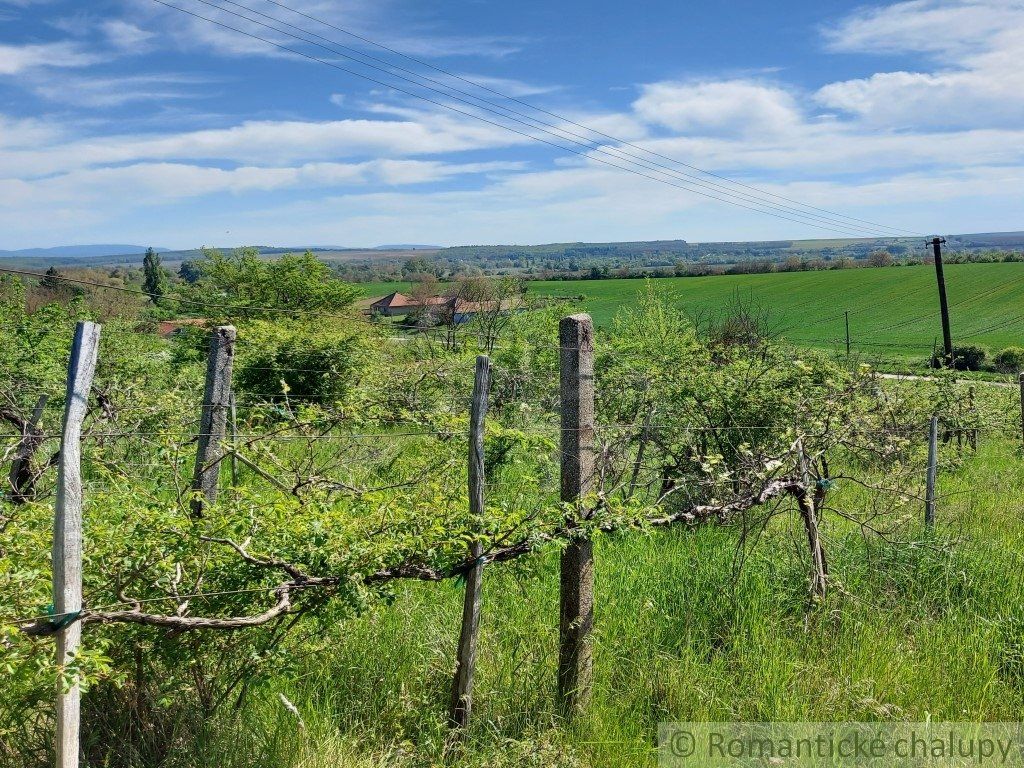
[[125, 36], [100, 92], [627, 206], [949, 29], [735, 107], [373, 19], [980, 81], [914, 148], [438, 46], [269, 142], [27, 133], [505, 85], [143, 185], [16, 59]]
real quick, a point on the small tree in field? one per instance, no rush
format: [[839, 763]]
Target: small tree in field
[[155, 280], [52, 280], [880, 259]]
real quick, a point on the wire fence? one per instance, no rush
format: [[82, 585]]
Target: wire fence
[[110, 451]]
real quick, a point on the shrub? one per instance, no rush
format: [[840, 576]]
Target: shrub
[[311, 361], [1010, 360], [968, 358], [880, 259]]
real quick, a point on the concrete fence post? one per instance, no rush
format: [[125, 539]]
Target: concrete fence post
[[214, 418], [575, 661]]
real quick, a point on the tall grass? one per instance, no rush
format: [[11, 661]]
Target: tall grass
[[931, 627]]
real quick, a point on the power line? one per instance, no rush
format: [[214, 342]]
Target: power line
[[392, 86], [557, 131], [561, 117]]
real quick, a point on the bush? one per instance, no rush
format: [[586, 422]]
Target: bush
[[880, 259], [310, 361], [1009, 360], [969, 358]]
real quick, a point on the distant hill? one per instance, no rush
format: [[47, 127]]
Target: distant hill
[[407, 247], [527, 258], [77, 251]]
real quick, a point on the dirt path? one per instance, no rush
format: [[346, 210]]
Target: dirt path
[[908, 377]]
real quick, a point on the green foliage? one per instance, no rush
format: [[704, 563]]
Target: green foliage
[[965, 358], [52, 280], [190, 271], [155, 276], [34, 347], [307, 360], [1009, 360], [248, 286], [930, 630], [360, 444]]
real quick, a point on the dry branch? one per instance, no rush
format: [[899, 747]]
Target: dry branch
[[409, 570]]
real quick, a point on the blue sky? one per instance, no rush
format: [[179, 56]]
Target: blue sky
[[127, 121]]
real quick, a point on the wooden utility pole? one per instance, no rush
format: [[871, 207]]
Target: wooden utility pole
[[67, 539], [575, 660], [213, 420], [933, 469], [847, 313], [462, 687], [947, 338]]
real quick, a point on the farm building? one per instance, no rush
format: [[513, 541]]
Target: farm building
[[399, 305], [169, 328], [451, 309]]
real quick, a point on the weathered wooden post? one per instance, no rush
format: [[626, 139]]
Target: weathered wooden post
[[462, 686], [809, 513], [67, 538], [933, 467], [213, 421], [575, 661]]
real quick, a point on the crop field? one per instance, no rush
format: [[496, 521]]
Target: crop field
[[894, 312]]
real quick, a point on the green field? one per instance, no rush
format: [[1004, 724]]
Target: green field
[[893, 312]]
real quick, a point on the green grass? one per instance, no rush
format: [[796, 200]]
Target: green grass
[[929, 630], [893, 312]]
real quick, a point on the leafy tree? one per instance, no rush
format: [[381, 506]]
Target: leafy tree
[[247, 286], [880, 258], [416, 265], [52, 280], [155, 280], [190, 271]]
